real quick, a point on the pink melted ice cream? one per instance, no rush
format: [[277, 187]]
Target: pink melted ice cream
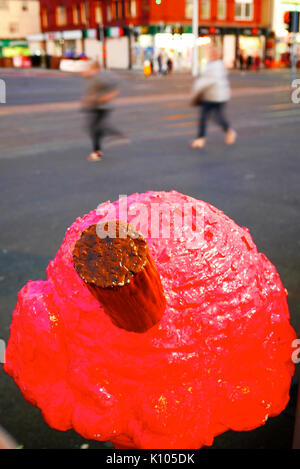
[[219, 359]]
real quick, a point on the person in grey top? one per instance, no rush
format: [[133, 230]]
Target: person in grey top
[[99, 92], [211, 92]]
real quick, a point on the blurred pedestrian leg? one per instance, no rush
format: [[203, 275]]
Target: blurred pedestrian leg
[[100, 128], [218, 110]]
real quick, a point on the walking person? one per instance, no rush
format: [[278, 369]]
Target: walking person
[[211, 93], [97, 104], [241, 59], [160, 63], [249, 62], [257, 61], [170, 65]]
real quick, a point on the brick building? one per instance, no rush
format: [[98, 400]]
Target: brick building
[[135, 30], [18, 18]]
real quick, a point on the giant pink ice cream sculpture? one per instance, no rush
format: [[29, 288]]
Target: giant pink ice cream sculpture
[[219, 357]]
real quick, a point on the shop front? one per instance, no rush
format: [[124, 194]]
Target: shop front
[[64, 43], [37, 44], [173, 43], [93, 48], [282, 41], [10, 48], [54, 44], [72, 43], [251, 47], [142, 47], [175, 47], [117, 49], [176, 43], [14, 53]]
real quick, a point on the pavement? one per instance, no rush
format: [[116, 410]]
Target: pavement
[[46, 183]]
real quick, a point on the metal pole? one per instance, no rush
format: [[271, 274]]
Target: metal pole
[[195, 33], [130, 36], [86, 24], [294, 45], [103, 46]]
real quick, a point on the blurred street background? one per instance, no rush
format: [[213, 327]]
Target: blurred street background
[[152, 49]]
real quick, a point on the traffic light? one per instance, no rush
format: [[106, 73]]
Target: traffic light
[[291, 20]]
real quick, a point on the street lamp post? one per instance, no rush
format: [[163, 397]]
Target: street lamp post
[[195, 33], [295, 28]]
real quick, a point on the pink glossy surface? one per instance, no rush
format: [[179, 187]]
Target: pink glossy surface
[[219, 359]]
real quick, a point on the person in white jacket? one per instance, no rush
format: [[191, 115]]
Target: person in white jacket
[[211, 92]]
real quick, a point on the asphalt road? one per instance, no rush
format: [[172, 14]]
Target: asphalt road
[[46, 183]]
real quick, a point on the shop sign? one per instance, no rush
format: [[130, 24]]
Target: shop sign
[[54, 36], [251, 32], [290, 2], [114, 31], [90, 33], [203, 31], [73, 34], [177, 30], [156, 29], [36, 37], [144, 30], [209, 31], [12, 43], [170, 29]]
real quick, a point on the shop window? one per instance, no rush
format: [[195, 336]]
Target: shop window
[[76, 14], [84, 10], [123, 9], [128, 8], [115, 10], [221, 9], [133, 9], [44, 18], [13, 28], [189, 8], [98, 13], [108, 13], [61, 16], [244, 10], [205, 9]]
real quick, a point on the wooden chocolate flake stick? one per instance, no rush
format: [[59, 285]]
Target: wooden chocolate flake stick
[[120, 272]]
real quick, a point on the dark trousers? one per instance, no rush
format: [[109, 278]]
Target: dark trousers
[[206, 110], [99, 127]]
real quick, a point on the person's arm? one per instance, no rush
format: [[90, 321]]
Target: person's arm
[[108, 96], [203, 82], [198, 89], [95, 96]]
